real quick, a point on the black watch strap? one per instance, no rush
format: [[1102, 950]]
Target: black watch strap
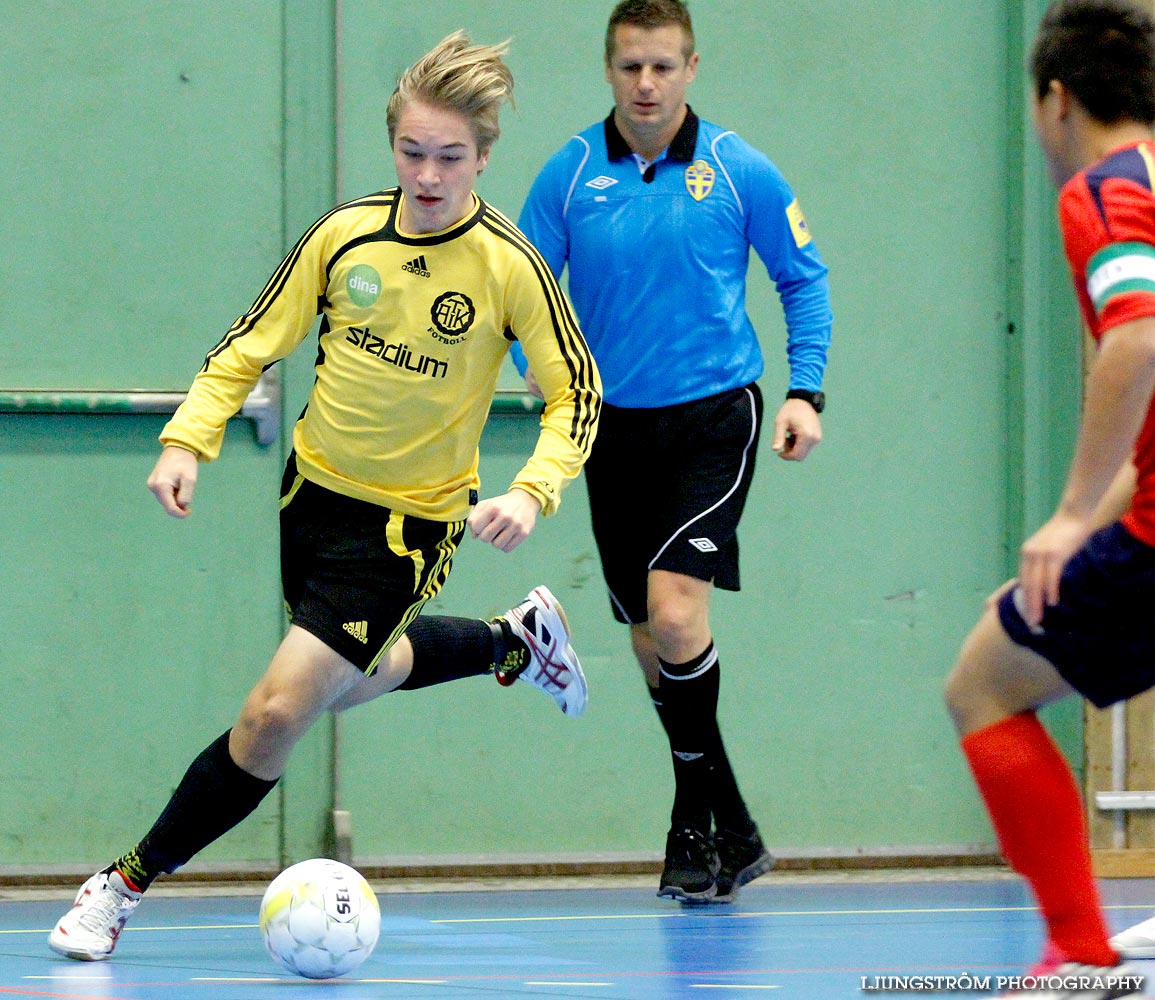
[[815, 399]]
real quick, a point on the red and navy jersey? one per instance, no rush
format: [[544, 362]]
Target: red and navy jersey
[[1107, 214]]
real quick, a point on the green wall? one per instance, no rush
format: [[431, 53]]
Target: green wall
[[163, 157]]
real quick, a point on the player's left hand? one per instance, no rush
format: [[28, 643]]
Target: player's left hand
[[797, 429], [505, 521], [1042, 558], [532, 386]]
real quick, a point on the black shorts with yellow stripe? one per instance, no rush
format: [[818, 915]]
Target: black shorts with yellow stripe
[[356, 574]]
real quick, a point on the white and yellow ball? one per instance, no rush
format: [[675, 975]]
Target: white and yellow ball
[[320, 919]]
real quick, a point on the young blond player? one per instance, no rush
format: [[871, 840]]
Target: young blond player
[[382, 481]]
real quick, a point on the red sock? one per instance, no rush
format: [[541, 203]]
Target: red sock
[[1037, 813]]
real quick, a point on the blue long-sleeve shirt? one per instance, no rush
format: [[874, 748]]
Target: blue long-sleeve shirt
[[658, 260]]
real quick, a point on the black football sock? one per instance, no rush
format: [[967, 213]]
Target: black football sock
[[510, 653], [692, 688], [686, 699], [726, 802], [685, 811], [447, 649], [213, 796]]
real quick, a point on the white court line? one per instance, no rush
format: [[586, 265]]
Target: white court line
[[534, 983], [76, 977]]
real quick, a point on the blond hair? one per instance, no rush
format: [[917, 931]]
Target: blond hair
[[472, 80]]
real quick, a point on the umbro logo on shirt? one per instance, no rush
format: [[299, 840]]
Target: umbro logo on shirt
[[703, 544], [601, 183], [417, 266]]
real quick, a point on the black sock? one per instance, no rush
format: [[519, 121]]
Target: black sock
[[705, 785], [687, 808], [686, 699], [447, 649], [510, 654], [213, 796]]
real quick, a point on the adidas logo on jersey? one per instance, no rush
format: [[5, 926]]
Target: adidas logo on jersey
[[417, 266], [358, 630]]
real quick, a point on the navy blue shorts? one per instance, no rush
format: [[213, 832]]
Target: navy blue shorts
[[1100, 637], [667, 487], [356, 574]]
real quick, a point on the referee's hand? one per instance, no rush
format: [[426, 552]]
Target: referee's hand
[[797, 430], [174, 479], [505, 521]]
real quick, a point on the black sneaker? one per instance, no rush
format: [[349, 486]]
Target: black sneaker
[[742, 859], [691, 864]]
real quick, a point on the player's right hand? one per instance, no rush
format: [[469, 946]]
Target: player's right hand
[[1042, 558], [173, 480]]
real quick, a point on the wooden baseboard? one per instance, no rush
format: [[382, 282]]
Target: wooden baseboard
[[1131, 862], [508, 868]]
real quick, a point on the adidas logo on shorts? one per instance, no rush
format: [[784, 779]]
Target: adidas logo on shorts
[[358, 630]]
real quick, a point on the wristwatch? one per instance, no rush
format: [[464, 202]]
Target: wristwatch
[[815, 399]]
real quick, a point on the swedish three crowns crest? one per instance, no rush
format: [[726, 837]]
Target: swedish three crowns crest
[[699, 179]]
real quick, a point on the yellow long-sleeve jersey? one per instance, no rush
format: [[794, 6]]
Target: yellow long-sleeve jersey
[[411, 343]]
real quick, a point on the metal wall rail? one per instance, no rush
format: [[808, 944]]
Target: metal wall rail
[[263, 407]]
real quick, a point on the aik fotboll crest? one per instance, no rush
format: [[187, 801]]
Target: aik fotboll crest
[[699, 179]]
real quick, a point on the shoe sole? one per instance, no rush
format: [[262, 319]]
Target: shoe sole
[[571, 661], [760, 866], [702, 898], [79, 956], [1139, 951]]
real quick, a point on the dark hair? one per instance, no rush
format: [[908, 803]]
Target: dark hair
[[1103, 51], [650, 14]]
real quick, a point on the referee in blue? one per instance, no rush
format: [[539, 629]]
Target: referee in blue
[[655, 210]]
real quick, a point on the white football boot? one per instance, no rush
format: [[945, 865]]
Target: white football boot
[[1137, 941], [88, 932], [553, 666]]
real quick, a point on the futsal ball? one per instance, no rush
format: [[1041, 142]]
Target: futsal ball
[[320, 919]]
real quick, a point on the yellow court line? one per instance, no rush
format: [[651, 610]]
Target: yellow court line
[[713, 915], [250, 979], [184, 927], [236, 979], [419, 982], [524, 920]]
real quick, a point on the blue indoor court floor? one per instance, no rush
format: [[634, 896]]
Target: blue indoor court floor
[[817, 937]]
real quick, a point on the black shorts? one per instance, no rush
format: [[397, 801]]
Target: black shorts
[[667, 487], [1100, 637], [355, 574]]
